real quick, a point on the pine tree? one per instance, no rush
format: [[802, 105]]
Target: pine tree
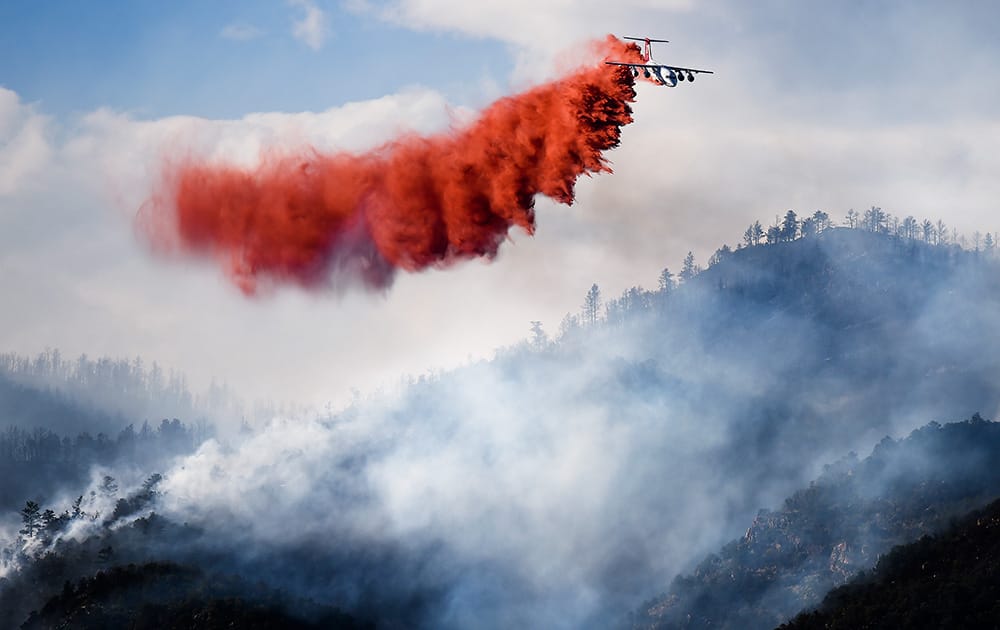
[[592, 306], [942, 232], [690, 270], [720, 254], [821, 221], [753, 234], [852, 218], [789, 226], [927, 231], [538, 337], [808, 227], [77, 509], [666, 281], [31, 517]]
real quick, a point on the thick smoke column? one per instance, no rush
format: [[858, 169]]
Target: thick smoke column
[[412, 203]]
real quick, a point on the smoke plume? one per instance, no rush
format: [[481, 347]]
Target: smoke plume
[[412, 203]]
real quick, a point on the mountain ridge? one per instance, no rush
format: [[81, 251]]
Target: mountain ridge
[[841, 524], [561, 483]]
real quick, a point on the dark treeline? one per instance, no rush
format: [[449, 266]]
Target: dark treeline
[[141, 574], [790, 227], [946, 580], [39, 446], [122, 386], [29, 407], [841, 524], [167, 596], [785, 229], [110, 574], [109, 392], [37, 463], [42, 526]]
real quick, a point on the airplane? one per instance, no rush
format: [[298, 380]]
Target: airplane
[[651, 69]]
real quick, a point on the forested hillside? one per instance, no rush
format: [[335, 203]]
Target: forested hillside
[[841, 524], [51, 392], [27, 407], [165, 596], [38, 465], [60, 420], [948, 580], [565, 481]]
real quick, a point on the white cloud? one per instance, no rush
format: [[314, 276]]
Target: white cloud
[[528, 23], [537, 30], [240, 31], [24, 146], [311, 27]]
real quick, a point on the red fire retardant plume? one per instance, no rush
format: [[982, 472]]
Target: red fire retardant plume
[[412, 203]]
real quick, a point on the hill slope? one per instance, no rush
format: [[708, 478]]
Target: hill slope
[[789, 558], [557, 485], [29, 407], [949, 580], [159, 596]]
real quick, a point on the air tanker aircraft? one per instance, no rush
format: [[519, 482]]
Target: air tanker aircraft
[[661, 73]]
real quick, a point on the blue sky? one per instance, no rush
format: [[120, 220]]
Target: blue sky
[[223, 59]]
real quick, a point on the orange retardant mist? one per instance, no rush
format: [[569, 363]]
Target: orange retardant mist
[[316, 220]]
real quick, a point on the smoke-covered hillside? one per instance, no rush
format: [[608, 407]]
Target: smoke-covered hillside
[[50, 392], [27, 406], [52, 442], [948, 580], [841, 524], [561, 483]]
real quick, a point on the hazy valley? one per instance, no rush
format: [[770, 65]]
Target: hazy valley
[[714, 448]]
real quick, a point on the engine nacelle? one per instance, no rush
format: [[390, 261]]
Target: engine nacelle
[[671, 78]]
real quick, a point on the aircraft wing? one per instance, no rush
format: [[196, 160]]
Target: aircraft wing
[[660, 66]]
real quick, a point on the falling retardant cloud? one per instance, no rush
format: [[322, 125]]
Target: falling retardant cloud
[[416, 202]]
